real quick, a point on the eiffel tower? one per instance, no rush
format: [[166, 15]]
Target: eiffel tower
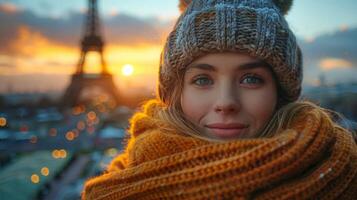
[[92, 42]]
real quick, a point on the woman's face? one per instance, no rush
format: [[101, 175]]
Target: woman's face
[[229, 95]]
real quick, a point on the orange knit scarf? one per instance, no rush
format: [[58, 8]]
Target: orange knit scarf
[[313, 159]]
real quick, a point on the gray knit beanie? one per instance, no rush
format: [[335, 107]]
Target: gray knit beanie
[[255, 27]]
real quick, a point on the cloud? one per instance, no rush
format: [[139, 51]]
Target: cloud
[[120, 29], [128, 30], [9, 8], [6, 62], [330, 55], [62, 31], [341, 44]]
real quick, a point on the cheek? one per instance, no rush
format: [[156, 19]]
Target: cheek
[[194, 106], [260, 105]]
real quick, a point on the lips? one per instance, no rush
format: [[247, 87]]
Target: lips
[[227, 130]]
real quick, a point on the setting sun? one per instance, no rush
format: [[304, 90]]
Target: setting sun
[[127, 70]]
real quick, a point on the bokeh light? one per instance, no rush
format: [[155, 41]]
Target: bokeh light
[[3, 121], [77, 110], [45, 171], [70, 135], [81, 125], [101, 108], [111, 152], [75, 132], [33, 139], [63, 153], [35, 178], [24, 128], [90, 130], [91, 115], [56, 154], [53, 132]]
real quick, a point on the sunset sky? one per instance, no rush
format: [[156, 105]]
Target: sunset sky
[[40, 38]]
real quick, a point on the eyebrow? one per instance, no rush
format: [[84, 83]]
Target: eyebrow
[[250, 65]]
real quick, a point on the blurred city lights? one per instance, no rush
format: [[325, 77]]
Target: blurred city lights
[[112, 104], [75, 132], [90, 130], [24, 128], [45, 171], [53, 132], [59, 153], [91, 115], [96, 121], [56, 154], [81, 125], [63, 153], [111, 152], [101, 108], [33, 139], [70, 136], [2, 121], [35, 178], [77, 110], [103, 98], [90, 123]]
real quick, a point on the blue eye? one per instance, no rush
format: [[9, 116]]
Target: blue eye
[[202, 81], [252, 79]]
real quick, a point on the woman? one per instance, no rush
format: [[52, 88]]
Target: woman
[[227, 123]]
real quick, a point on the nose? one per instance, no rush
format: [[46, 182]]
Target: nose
[[227, 101]]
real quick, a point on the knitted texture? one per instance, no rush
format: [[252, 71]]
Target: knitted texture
[[254, 27], [312, 159]]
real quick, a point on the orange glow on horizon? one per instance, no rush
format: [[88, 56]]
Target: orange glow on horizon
[[34, 49], [92, 63], [35, 55], [127, 70], [145, 58], [33, 44], [334, 63]]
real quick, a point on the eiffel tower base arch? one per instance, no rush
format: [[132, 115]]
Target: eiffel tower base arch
[[81, 81]]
